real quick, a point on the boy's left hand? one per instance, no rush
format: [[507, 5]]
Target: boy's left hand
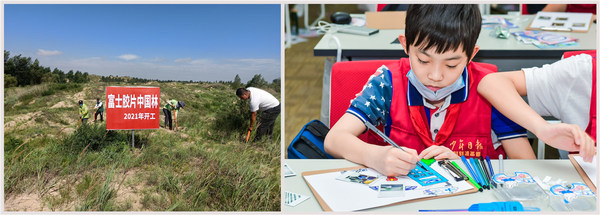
[[438, 153], [568, 137]]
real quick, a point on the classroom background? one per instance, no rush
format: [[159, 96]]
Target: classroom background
[[304, 70]]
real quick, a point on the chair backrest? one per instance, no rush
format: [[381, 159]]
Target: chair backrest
[[347, 80]]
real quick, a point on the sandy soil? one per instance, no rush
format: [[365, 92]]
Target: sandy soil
[[23, 202], [23, 120]]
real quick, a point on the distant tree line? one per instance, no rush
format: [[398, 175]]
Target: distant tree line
[[257, 81], [22, 71]]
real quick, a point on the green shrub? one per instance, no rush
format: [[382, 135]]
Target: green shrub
[[232, 116], [69, 87], [10, 81], [48, 92], [11, 143], [97, 137]]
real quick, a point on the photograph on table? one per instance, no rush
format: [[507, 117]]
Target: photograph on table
[[425, 88], [134, 107]]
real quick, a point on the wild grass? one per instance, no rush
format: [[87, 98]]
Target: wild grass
[[204, 166], [24, 99]]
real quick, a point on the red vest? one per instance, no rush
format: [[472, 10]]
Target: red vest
[[591, 128], [471, 134]]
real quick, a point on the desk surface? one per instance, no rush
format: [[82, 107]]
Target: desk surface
[[562, 169], [379, 45]]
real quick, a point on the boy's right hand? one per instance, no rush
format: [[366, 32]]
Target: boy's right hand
[[392, 161]]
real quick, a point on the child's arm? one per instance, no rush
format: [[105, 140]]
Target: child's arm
[[555, 8], [504, 90], [342, 142], [518, 148]]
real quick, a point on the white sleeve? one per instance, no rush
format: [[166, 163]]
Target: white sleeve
[[254, 105], [562, 89]]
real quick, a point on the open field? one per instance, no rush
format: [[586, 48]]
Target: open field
[[52, 164]]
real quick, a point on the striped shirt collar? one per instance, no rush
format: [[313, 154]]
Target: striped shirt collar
[[415, 99]]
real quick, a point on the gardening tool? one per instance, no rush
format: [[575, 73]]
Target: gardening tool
[[175, 114], [248, 136]]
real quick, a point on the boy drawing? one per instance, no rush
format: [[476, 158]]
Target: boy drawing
[[428, 102], [565, 90]]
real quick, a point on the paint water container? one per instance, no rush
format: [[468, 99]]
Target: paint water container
[[520, 187], [571, 197]]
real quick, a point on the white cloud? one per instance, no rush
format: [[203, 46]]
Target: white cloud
[[201, 61], [42, 52], [158, 59], [256, 60], [180, 60], [128, 57], [194, 69]]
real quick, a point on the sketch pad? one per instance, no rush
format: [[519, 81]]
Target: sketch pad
[[335, 195], [581, 172]]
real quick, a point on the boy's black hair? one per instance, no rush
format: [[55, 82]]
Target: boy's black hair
[[443, 27], [241, 91]]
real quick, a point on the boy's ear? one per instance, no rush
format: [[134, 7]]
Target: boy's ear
[[402, 39], [475, 50]]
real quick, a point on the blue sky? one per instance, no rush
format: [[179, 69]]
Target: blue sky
[[176, 42]]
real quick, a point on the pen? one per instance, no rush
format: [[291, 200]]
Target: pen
[[473, 173], [387, 139], [470, 178], [487, 158], [489, 163], [487, 172], [483, 174], [478, 174]]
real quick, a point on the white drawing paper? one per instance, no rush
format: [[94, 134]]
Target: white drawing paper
[[589, 168], [574, 21], [343, 196]]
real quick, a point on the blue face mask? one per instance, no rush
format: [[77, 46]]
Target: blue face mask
[[434, 95]]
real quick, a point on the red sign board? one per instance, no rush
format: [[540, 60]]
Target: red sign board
[[129, 108]]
